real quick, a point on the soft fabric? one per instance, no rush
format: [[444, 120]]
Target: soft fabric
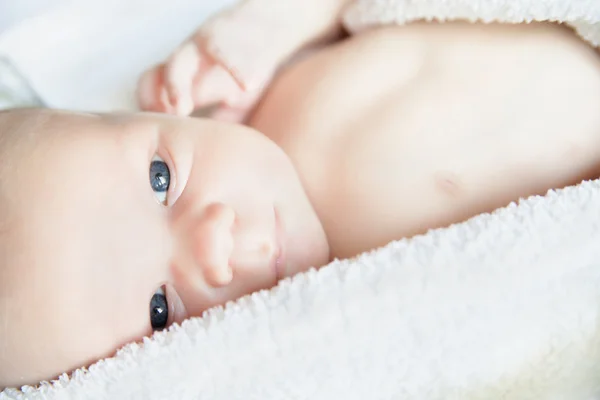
[[582, 15], [503, 306]]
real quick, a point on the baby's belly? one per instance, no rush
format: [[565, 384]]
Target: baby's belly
[[401, 130]]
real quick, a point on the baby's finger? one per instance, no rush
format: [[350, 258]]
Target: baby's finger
[[182, 70], [239, 61], [151, 93], [216, 86], [230, 114]]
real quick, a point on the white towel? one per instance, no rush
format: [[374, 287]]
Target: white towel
[[503, 306], [582, 15]]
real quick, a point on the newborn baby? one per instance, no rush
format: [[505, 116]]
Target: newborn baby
[[117, 225]]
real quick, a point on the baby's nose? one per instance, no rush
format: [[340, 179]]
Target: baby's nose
[[212, 243]]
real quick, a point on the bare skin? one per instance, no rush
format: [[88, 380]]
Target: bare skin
[[435, 131], [375, 138]]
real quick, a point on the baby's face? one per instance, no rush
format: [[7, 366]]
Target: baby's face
[[129, 223]]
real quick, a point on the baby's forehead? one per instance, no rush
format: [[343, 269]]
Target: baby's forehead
[[20, 123], [51, 161], [30, 126]]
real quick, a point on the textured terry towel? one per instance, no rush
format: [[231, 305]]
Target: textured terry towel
[[582, 15], [503, 306]]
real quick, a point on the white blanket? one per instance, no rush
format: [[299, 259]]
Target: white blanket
[[503, 306]]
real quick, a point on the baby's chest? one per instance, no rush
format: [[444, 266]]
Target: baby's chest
[[359, 184]]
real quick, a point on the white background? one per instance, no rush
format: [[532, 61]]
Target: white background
[[88, 55]]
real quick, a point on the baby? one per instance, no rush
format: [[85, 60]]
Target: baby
[[117, 225]]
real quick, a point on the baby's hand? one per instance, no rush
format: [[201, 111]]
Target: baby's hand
[[233, 57], [225, 64]]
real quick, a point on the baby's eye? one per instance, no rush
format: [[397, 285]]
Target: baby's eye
[[160, 179], [159, 310]]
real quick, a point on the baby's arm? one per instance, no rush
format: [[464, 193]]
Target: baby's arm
[[233, 56]]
